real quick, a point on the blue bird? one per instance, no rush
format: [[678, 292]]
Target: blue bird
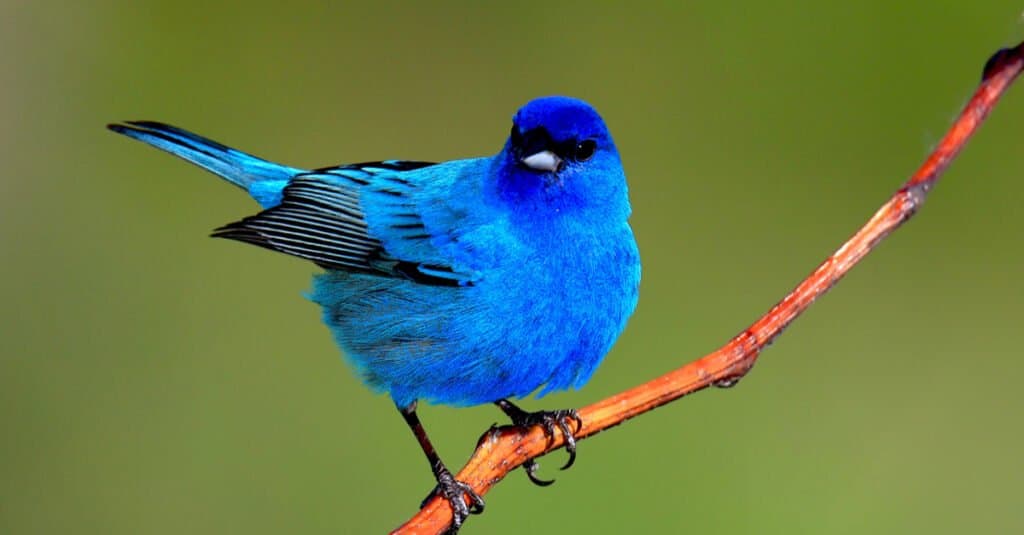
[[460, 283]]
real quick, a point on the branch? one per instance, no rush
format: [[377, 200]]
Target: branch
[[503, 449]]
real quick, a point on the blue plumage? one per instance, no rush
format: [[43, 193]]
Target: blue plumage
[[463, 282]]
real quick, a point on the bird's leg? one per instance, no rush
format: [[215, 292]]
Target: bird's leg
[[447, 486], [548, 420]]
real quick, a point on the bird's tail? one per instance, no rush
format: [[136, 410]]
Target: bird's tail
[[239, 168]]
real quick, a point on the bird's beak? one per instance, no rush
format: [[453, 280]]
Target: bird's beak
[[544, 160]]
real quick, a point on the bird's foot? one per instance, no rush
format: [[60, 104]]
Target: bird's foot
[[456, 493], [548, 420]]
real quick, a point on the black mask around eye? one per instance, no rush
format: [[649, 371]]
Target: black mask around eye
[[537, 150]]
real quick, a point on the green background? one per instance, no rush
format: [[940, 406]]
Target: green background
[[153, 380]]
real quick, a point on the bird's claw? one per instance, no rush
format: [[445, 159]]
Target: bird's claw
[[549, 420], [456, 492], [531, 467], [561, 418]]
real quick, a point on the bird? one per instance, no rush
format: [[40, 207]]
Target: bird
[[459, 283]]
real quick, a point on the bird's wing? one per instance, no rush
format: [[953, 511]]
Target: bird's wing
[[321, 218]]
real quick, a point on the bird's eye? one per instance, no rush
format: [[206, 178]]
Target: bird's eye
[[585, 149]]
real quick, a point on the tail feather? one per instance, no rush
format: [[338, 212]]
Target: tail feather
[[237, 167]]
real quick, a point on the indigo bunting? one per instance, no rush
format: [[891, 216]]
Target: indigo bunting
[[463, 282]]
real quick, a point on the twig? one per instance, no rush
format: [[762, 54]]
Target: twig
[[503, 449]]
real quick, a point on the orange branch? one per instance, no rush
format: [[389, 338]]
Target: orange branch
[[503, 449]]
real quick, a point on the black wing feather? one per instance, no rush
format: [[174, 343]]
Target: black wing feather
[[323, 222], [388, 165], [317, 221]]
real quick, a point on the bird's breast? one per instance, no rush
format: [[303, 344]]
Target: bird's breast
[[566, 303]]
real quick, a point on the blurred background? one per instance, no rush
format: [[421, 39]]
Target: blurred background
[[153, 380]]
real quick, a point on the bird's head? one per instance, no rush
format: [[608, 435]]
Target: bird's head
[[560, 157]]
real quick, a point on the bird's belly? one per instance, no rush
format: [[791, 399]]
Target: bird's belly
[[504, 337], [563, 334]]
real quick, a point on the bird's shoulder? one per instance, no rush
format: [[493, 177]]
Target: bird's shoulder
[[437, 214]]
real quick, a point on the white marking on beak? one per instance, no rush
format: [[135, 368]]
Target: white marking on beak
[[544, 160]]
